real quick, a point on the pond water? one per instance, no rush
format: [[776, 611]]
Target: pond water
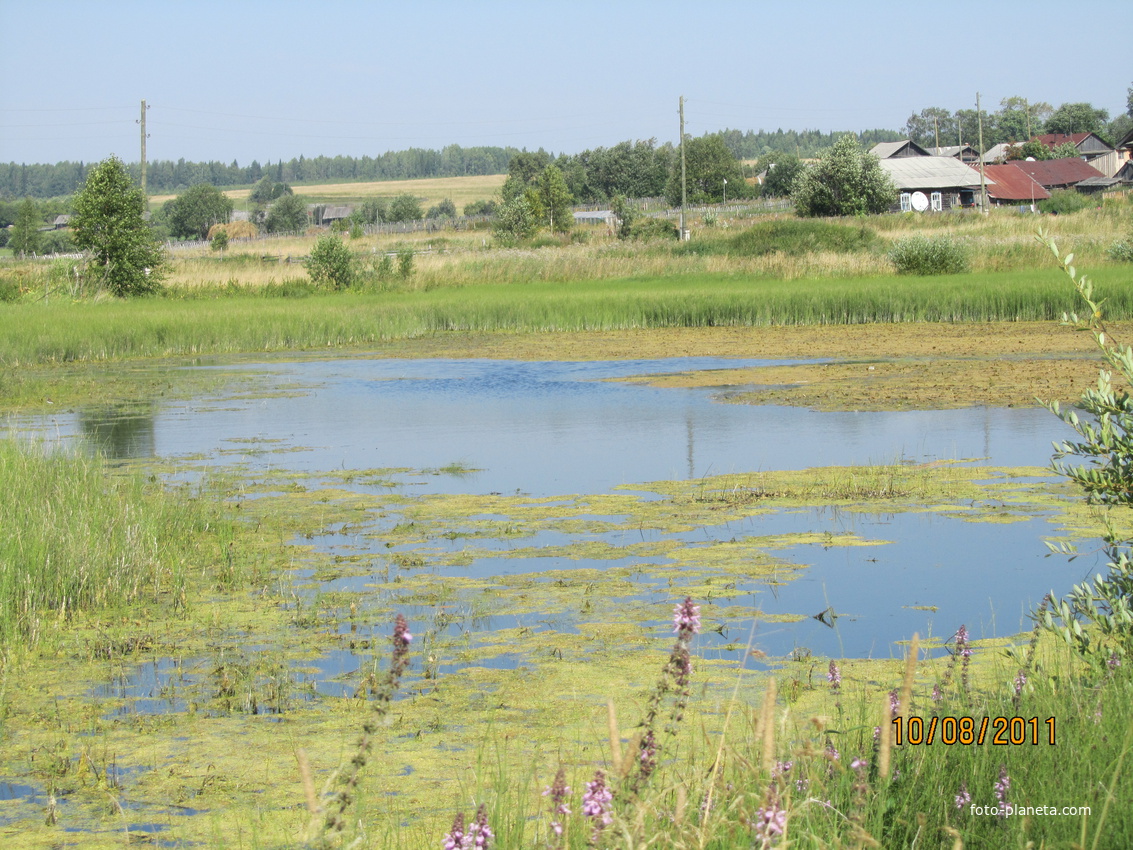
[[561, 428]]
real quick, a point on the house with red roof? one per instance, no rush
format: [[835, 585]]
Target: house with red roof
[[1053, 174], [1093, 149], [1011, 186]]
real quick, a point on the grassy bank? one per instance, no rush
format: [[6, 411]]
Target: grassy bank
[[60, 332], [80, 538]]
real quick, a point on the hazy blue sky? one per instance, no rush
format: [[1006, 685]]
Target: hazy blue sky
[[269, 80]]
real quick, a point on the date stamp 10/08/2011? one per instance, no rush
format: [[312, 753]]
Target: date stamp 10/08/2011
[[968, 731]]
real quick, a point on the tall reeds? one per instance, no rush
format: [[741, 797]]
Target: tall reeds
[[79, 537]]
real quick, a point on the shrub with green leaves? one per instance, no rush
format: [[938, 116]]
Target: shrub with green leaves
[[331, 262], [1103, 467], [924, 256], [1065, 201], [1122, 250]]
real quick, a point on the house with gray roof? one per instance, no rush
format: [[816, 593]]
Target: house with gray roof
[[941, 182]]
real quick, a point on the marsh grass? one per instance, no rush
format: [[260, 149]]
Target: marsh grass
[[80, 537], [158, 327], [823, 761]]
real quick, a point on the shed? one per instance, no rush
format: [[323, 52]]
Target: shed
[[946, 182], [1012, 186], [898, 150], [332, 213], [1064, 173], [62, 221]]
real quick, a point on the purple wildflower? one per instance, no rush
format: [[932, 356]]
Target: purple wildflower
[[456, 839], [781, 767], [770, 822], [859, 764], [1113, 662], [1020, 682], [480, 833], [558, 791], [937, 695], [401, 640], [686, 619], [894, 703], [834, 676], [802, 784], [596, 802], [832, 753], [1002, 786], [963, 646], [647, 754], [963, 798]]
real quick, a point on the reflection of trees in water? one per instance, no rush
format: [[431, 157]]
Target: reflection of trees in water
[[120, 432]]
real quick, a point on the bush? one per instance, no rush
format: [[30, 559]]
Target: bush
[[1065, 201], [924, 256], [9, 290], [647, 228], [445, 209], [331, 262], [481, 208], [1122, 250]]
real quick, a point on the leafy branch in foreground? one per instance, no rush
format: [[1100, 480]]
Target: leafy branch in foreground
[[1105, 448]]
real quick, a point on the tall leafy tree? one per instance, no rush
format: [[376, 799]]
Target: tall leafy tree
[[1018, 119], [287, 215], [1077, 118], [782, 171], [192, 213], [846, 181], [405, 207], [708, 164], [108, 220], [25, 237], [555, 199]]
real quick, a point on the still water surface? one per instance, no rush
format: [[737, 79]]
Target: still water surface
[[559, 428]]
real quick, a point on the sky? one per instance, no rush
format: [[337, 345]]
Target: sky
[[274, 79]]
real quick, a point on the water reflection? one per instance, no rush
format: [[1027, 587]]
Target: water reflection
[[121, 431]]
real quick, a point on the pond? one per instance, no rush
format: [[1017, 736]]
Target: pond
[[561, 429]]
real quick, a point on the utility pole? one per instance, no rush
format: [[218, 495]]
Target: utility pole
[[684, 197], [142, 122], [983, 176], [936, 125]]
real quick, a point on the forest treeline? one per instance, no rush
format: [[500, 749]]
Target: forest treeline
[[649, 162], [18, 180]]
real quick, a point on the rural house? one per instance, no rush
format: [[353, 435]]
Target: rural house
[[1010, 186], [897, 150], [941, 181], [1053, 174], [1094, 150], [964, 153]]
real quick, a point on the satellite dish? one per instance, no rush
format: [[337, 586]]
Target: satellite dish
[[919, 201]]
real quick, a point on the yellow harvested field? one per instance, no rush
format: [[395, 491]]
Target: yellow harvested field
[[462, 190]]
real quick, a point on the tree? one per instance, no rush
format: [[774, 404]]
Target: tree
[[108, 221], [555, 199], [192, 213], [266, 191], [514, 220], [846, 181], [782, 171], [1018, 119], [405, 207], [331, 262], [1077, 118], [287, 215], [522, 172], [931, 124], [445, 209], [24, 238], [626, 214], [708, 164]]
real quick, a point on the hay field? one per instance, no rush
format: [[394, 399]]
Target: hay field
[[433, 190]]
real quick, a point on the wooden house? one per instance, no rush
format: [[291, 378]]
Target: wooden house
[[1054, 174], [1094, 150], [1011, 186], [898, 150], [964, 153], [943, 183]]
